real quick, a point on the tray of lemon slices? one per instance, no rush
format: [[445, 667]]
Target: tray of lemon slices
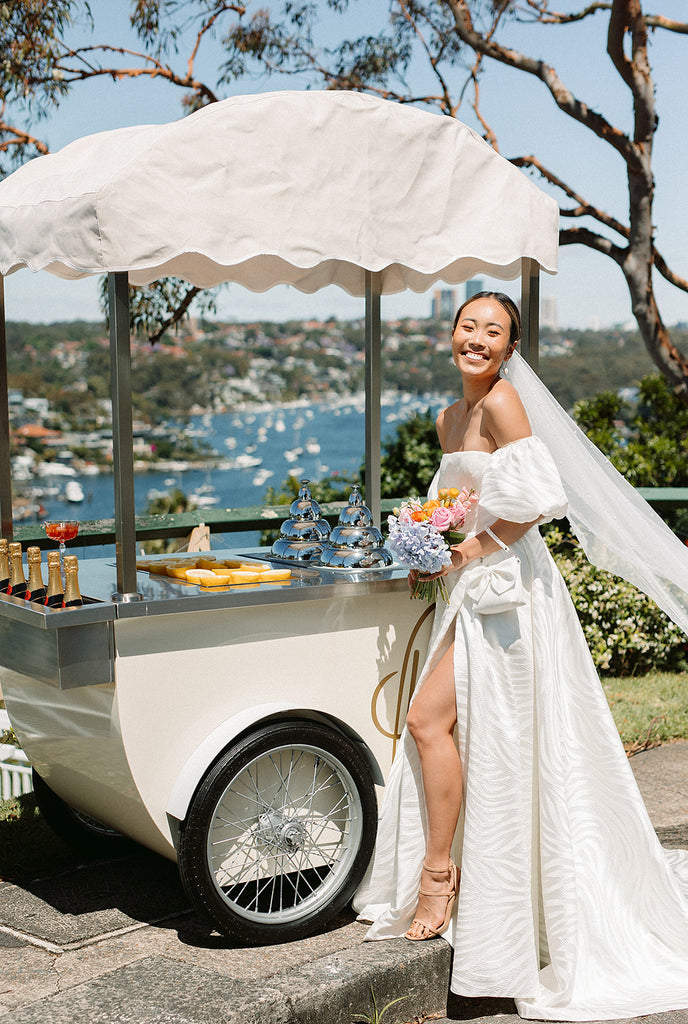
[[211, 571]]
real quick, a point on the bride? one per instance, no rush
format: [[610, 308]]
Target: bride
[[524, 840]]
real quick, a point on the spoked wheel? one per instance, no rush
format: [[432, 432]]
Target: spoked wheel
[[82, 832], [280, 833]]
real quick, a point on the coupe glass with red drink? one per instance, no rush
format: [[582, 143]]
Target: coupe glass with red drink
[[62, 532]]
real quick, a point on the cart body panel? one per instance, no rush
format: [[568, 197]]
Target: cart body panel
[[187, 684]]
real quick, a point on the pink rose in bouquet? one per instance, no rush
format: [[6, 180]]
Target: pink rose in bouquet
[[442, 518], [421, 535]]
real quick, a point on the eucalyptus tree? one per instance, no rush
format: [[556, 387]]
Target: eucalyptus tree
[[44, 60], [457, 41], [460, 42]]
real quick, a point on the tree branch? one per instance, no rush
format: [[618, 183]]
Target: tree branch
[[583, 208], [19, 138], [447, 105], [583, 236], [543, 15], [547, 17], [562, 96], [658, 21], [206, 26], [626, 16], [489, 135], [177, 315], [667, 273], [153, 68]]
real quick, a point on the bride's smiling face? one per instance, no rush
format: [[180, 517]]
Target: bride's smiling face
[[482, 338]]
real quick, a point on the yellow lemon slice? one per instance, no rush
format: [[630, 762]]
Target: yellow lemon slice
[[223, 576], [230, 563], [242, 576], [159, 568], [207, 561], [174, 565], [275, 576], [179, 571], [200, 576]]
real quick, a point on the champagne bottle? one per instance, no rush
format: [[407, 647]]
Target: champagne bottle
[[54, 595], [17, 584], [4, 566], [35, 590], [72, 596]]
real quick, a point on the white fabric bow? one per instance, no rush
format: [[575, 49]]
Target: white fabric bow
[[496, 588]]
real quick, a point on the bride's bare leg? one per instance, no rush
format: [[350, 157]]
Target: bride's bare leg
[[430, 721]]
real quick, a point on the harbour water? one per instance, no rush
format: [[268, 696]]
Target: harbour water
[[313, 440]]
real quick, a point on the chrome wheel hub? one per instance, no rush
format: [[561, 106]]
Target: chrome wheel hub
[[281, 834]]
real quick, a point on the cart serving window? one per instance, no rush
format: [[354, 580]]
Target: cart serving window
[[211, 726]]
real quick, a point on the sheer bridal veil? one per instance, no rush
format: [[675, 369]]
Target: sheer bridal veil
[[616, 527]]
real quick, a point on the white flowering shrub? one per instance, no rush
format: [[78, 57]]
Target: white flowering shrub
[[626, 632]]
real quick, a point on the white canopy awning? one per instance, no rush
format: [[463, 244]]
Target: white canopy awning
[[304, 188]]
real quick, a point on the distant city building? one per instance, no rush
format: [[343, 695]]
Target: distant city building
[[443, 304], [474, 286], [549, 316]]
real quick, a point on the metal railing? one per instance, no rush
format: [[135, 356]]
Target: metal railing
[[234, 520], [248, 520], [15, 770]]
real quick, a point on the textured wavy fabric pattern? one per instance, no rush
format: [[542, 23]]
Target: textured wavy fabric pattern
[[567, 903]]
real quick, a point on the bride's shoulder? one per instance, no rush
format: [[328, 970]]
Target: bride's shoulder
[[504, 414], [450, 410], [502, 393], [445, 419]]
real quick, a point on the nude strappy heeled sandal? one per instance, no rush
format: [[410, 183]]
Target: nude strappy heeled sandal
[[449, 894]]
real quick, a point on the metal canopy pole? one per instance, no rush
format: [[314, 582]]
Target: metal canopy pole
[[530, 311], [122, 437], [5, 461], [373, 417]]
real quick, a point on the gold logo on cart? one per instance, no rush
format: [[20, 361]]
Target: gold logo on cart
[[406, 684]]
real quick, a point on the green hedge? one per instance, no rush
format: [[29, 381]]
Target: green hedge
[[626, 632]]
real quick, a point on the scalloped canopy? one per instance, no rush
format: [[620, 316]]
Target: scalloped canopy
[[303, 188]]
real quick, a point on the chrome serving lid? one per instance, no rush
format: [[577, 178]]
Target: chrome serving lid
[[355, 543], [303, 534]]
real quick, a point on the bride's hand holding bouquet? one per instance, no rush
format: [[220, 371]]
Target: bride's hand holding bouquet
[[421, 535]]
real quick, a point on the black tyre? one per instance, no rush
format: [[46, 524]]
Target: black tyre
[[279, 833], [78, 830]]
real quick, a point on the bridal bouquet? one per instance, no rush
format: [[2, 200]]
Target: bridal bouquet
[[420, 535]]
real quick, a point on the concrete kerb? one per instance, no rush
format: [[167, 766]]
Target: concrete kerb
[[332, 989]]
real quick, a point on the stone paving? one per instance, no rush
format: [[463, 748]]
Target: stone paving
[[114, 942]]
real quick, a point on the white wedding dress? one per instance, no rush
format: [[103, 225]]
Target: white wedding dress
[[567, 901]]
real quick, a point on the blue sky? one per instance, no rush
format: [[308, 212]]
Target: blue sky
[[588, 290]]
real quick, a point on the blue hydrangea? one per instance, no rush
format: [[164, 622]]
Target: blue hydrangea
[[418, 545]]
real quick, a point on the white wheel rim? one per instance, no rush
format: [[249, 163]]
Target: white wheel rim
[[284, 834]]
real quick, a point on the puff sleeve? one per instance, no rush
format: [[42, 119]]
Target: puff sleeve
[[522, 484]]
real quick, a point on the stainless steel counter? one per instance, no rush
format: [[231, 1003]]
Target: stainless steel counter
[[74, 647], [161, 595]]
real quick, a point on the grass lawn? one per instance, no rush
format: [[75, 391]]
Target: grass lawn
[[650, 708]]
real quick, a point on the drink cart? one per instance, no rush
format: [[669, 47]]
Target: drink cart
[[242, 730]]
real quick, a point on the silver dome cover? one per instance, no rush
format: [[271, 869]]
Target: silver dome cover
[[303, 534], [355, 543]]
